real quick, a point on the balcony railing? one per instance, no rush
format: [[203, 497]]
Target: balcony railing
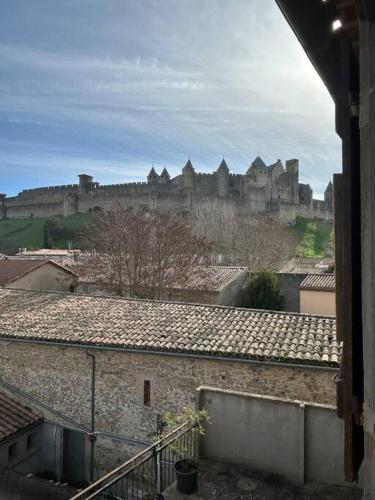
[[148, 474]]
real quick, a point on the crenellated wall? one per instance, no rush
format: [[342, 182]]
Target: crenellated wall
[[272, 190]]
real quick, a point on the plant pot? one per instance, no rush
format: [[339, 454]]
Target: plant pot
[[186, 476]]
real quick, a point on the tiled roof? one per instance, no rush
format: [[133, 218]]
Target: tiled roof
[[15, 417], [12, 269], [48, 252], [322, 281], [202, 278], [213, 278], [168, 327]]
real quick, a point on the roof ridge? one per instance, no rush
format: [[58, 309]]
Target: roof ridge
[[166, 302]]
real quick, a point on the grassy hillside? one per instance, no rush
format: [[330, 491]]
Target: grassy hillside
[[30, 233], [313, 237]]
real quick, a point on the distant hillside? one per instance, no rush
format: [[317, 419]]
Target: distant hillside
[[314, 238], [35, 233]]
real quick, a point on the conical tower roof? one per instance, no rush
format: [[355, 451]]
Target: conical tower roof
[[152, 173], [223, 167], [329, 187], [189, 165], [165, 173], [258, 162]]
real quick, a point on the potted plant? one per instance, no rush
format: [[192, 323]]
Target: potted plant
[[187, 465]]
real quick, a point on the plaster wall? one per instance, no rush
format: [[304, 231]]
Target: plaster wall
[[27, 459], [301, 441], [46, 277], [318, 302]]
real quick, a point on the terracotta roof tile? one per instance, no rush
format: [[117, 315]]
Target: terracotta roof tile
[[201, 278], [167, 326], [14, 416], [11, 269], [322, 281]]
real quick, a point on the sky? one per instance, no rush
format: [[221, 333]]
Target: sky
[[112, 87]]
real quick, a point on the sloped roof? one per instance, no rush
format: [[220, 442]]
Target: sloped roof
[[201, 278], [329, 187], [258, 162], [48, 252], [223, 166], [165, 173], [189, 165], [168, 327], [13, 269], [152, 173], [15, 417], [323, 281]]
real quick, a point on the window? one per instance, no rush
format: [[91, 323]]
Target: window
[[146, 393], [31, 441], [12, 452]]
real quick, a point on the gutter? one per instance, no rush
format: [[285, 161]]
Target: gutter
[[91, 435], [278, 364]]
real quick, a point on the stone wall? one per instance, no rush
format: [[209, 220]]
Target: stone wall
[[262, 190], [60, 377]]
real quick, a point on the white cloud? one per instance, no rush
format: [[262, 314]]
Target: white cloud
[[152, 81]]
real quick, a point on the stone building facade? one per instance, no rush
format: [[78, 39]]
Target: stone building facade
[[60, 377], [148, 357], [274, 190]]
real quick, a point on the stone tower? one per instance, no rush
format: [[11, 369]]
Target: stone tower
[[3, 212], [85, 182], [328, 196], [188, 174], [153, 177], [292, 168], [223, 179], [70, 204], [164, 177]]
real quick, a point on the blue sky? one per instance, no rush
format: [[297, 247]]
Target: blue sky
[[108, 87]]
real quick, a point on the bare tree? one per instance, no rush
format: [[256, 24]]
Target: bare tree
[[264, 243], [141, 253], [257, 242]]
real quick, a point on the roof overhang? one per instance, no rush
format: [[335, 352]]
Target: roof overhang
[[312, 20]]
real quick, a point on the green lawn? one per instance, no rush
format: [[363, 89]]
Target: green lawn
[[29, 233], [313, 237]]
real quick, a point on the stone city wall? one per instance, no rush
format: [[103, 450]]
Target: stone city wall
[[261, 190]]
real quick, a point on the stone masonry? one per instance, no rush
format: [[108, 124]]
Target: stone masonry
[[273, 190], [60, 376]]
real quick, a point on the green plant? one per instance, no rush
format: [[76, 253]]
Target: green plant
[[196, 420], [263, 292]]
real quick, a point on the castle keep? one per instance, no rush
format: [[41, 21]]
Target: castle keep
[[272, 190]]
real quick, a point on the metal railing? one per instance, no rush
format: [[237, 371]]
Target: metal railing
[[149, 473]]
